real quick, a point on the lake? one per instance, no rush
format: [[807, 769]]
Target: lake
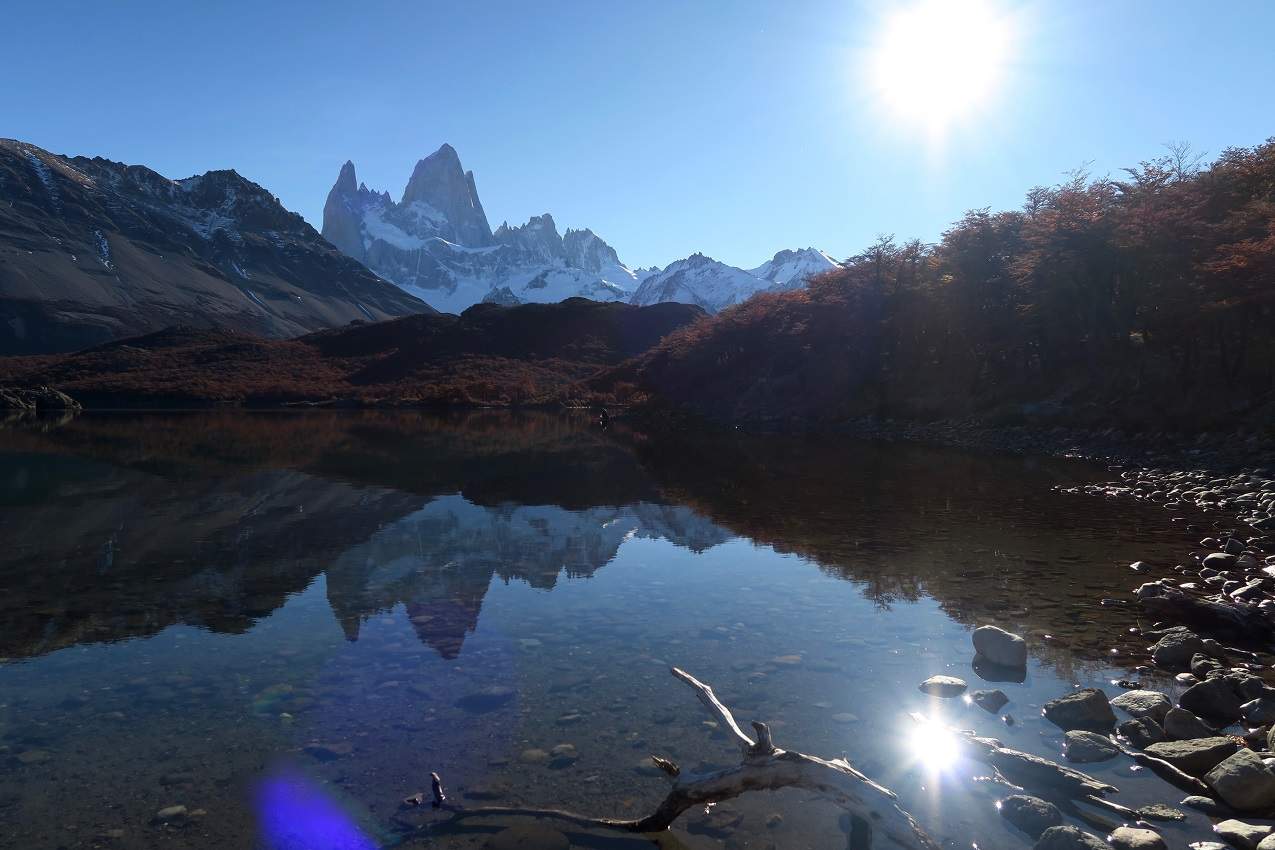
[[284, 622]]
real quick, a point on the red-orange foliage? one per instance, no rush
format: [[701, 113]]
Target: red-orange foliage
[[489, 356], [1154, 294]]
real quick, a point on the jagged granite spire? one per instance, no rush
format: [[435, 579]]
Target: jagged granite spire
[[439, 182], [342, 214]]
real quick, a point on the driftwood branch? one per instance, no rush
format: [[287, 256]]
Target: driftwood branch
[[878, 819]]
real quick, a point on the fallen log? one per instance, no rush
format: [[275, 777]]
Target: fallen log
[[877, 819], [1229, 618]]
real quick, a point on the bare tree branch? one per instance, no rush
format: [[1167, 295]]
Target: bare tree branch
[[878, 819]]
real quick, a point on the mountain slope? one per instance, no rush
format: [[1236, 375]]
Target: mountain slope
[[93, 250], [436, 243]]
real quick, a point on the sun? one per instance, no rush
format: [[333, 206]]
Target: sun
[[938, 61]]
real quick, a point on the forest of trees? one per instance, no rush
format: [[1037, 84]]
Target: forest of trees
[[1144, 301]]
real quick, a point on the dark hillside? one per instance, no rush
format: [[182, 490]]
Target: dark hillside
[[1146, 303], [489, 355]]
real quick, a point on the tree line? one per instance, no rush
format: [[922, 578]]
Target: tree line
[[1144, 298]]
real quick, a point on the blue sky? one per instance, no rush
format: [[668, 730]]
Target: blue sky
[[734, 128]]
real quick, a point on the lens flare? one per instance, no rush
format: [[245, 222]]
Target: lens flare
[[295, 813]]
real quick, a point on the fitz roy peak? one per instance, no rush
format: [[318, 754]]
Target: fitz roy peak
[[436, 243]]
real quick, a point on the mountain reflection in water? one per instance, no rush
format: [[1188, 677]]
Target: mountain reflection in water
[[119, 526], [316, 609]]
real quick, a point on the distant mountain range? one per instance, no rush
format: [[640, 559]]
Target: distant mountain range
[[437, 244], [93, 250]]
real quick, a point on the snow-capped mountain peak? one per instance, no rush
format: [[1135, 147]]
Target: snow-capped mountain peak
[[713, 285], [436, 243], [789, 269]]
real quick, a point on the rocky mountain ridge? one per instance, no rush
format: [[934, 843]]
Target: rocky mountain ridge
[[93, 250], [437, 244]]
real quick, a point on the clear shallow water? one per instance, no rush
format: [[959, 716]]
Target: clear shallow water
[[285, 622]]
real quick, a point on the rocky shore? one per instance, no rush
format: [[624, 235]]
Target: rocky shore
[[1212, 733]]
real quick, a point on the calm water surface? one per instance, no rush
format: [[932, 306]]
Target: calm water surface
[[285, 622]]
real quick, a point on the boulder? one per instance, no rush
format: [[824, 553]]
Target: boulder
[[1214, 698], [1151, 704], [1129, 838], [1260, 711], [1086, 709], [1030, 814], [1247, 686], [1244, 782], [1141, 731], [1087, 747], [1000, 647], [1175, 649], [943, 686], [1202, 665], [1196, 757], [1220, 561], [992, 701], [1267, 843], [1245, 836], [1208, 805], [1182, 725], [1068, 838]]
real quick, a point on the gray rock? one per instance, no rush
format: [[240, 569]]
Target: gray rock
[[1030, 814], [1068, 838], [1129, 838], [943, 686], [1000, 647], [1182, 725], [992, 701], [1267, 843], [1159, 811], [1244, 782], [1202, 665], [1196, 757], [1208, 805], [1174, 650], [1213, 698], [1141, 731], [1247, 686], [171, 814], [1246, 836], [1151, 704], [487, 699], [1260, 711], [1087, 747], [1220, 561], [1086, 709]]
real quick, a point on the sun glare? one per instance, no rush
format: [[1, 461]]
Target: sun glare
[[937, 61], [932, 744]]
